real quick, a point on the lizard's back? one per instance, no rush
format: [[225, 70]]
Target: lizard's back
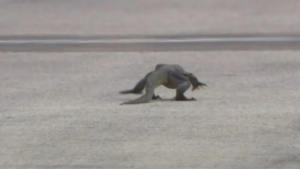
[[170, 67], [173, 70]]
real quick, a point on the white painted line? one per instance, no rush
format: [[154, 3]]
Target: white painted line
[[161, 40]]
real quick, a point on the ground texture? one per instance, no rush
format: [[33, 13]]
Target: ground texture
[[62, 111]]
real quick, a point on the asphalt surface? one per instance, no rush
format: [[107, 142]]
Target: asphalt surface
[[149, 43], [147, 17], [61, 111]]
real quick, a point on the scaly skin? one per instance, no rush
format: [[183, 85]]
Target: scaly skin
[[171, 76]]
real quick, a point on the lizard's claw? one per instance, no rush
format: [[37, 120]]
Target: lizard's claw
[[156, 97], [192, 98]]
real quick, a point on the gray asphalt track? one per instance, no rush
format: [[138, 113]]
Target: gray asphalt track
[[147, 17], [150, 43], [61, 111]]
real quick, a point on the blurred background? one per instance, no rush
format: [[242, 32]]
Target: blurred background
[[148, 17]]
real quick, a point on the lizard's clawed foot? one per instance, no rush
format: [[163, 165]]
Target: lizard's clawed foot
[[157, 97], [192, 99], [182, 98]]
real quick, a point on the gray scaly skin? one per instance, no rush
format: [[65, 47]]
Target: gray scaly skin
[[171, 76]]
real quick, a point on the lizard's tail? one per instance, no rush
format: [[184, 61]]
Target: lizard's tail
[[129, 91]]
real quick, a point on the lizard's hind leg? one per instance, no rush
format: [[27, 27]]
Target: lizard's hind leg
[[154, 80], [139, 87]]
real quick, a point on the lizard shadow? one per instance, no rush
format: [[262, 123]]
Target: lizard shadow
[[172, 100], [165, 100]]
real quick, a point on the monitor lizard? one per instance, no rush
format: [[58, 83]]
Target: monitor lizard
[[172, 76]]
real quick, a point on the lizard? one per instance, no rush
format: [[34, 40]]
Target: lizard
[[172, 76]]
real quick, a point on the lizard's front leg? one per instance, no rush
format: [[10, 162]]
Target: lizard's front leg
[[181, 89]]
